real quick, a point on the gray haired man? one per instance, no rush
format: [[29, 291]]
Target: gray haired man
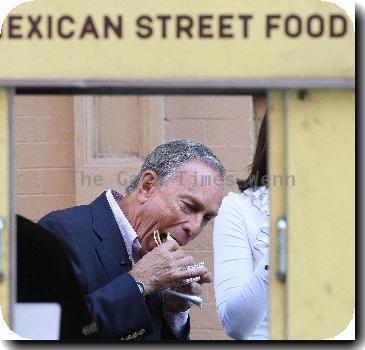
[[118, 264]]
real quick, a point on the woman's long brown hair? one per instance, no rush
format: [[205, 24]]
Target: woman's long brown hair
[[258, 173]]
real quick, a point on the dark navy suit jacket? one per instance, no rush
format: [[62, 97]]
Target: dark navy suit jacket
[[101, 264]]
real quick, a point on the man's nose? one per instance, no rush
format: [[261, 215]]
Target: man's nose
[[193, 226]]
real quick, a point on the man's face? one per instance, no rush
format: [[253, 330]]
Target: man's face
[[182, 206]]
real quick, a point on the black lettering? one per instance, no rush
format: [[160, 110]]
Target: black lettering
[[245, 19], [223, 26], [270, 25], [116, 28], [298, 31], [143, 23], [180, 28], [13, 27], [89, 28], [61, 33], [340, 31], [203, 26], [49, 26], [34, 23], [320, 21], [164, 20]]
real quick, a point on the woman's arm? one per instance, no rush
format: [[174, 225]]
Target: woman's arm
[[241, 291]]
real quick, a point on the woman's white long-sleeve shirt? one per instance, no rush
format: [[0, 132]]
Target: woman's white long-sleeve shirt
[[241, 261]]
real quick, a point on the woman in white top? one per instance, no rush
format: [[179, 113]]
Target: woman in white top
[[241, 253]]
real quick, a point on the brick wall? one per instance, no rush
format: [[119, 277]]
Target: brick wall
[[44, 154]]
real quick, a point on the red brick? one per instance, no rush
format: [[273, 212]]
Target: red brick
[[229, 132], [208, 107], [192, 129], [43, 105], [234, 158], [206, 318], [201, 334], [45, 181], [219, 334], [208, 334], [44, 129], [44, 155], [35, 206]]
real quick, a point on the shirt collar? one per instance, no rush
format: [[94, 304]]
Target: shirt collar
[[128, 233]]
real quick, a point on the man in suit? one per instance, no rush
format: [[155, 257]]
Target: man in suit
[[121, 271]]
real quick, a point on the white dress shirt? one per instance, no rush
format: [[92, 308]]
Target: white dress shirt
[[241, 262], [176, 321]]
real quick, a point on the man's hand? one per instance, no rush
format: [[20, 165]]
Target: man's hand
[[163, 266], [176, 304]]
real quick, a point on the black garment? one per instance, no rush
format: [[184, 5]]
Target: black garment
[[45, 274]]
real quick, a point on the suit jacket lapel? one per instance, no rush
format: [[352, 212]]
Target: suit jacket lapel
[[111, 249]]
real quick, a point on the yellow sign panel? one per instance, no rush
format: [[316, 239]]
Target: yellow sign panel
[[177, 39]]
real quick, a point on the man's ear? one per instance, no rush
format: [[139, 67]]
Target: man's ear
[[147, 185]]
